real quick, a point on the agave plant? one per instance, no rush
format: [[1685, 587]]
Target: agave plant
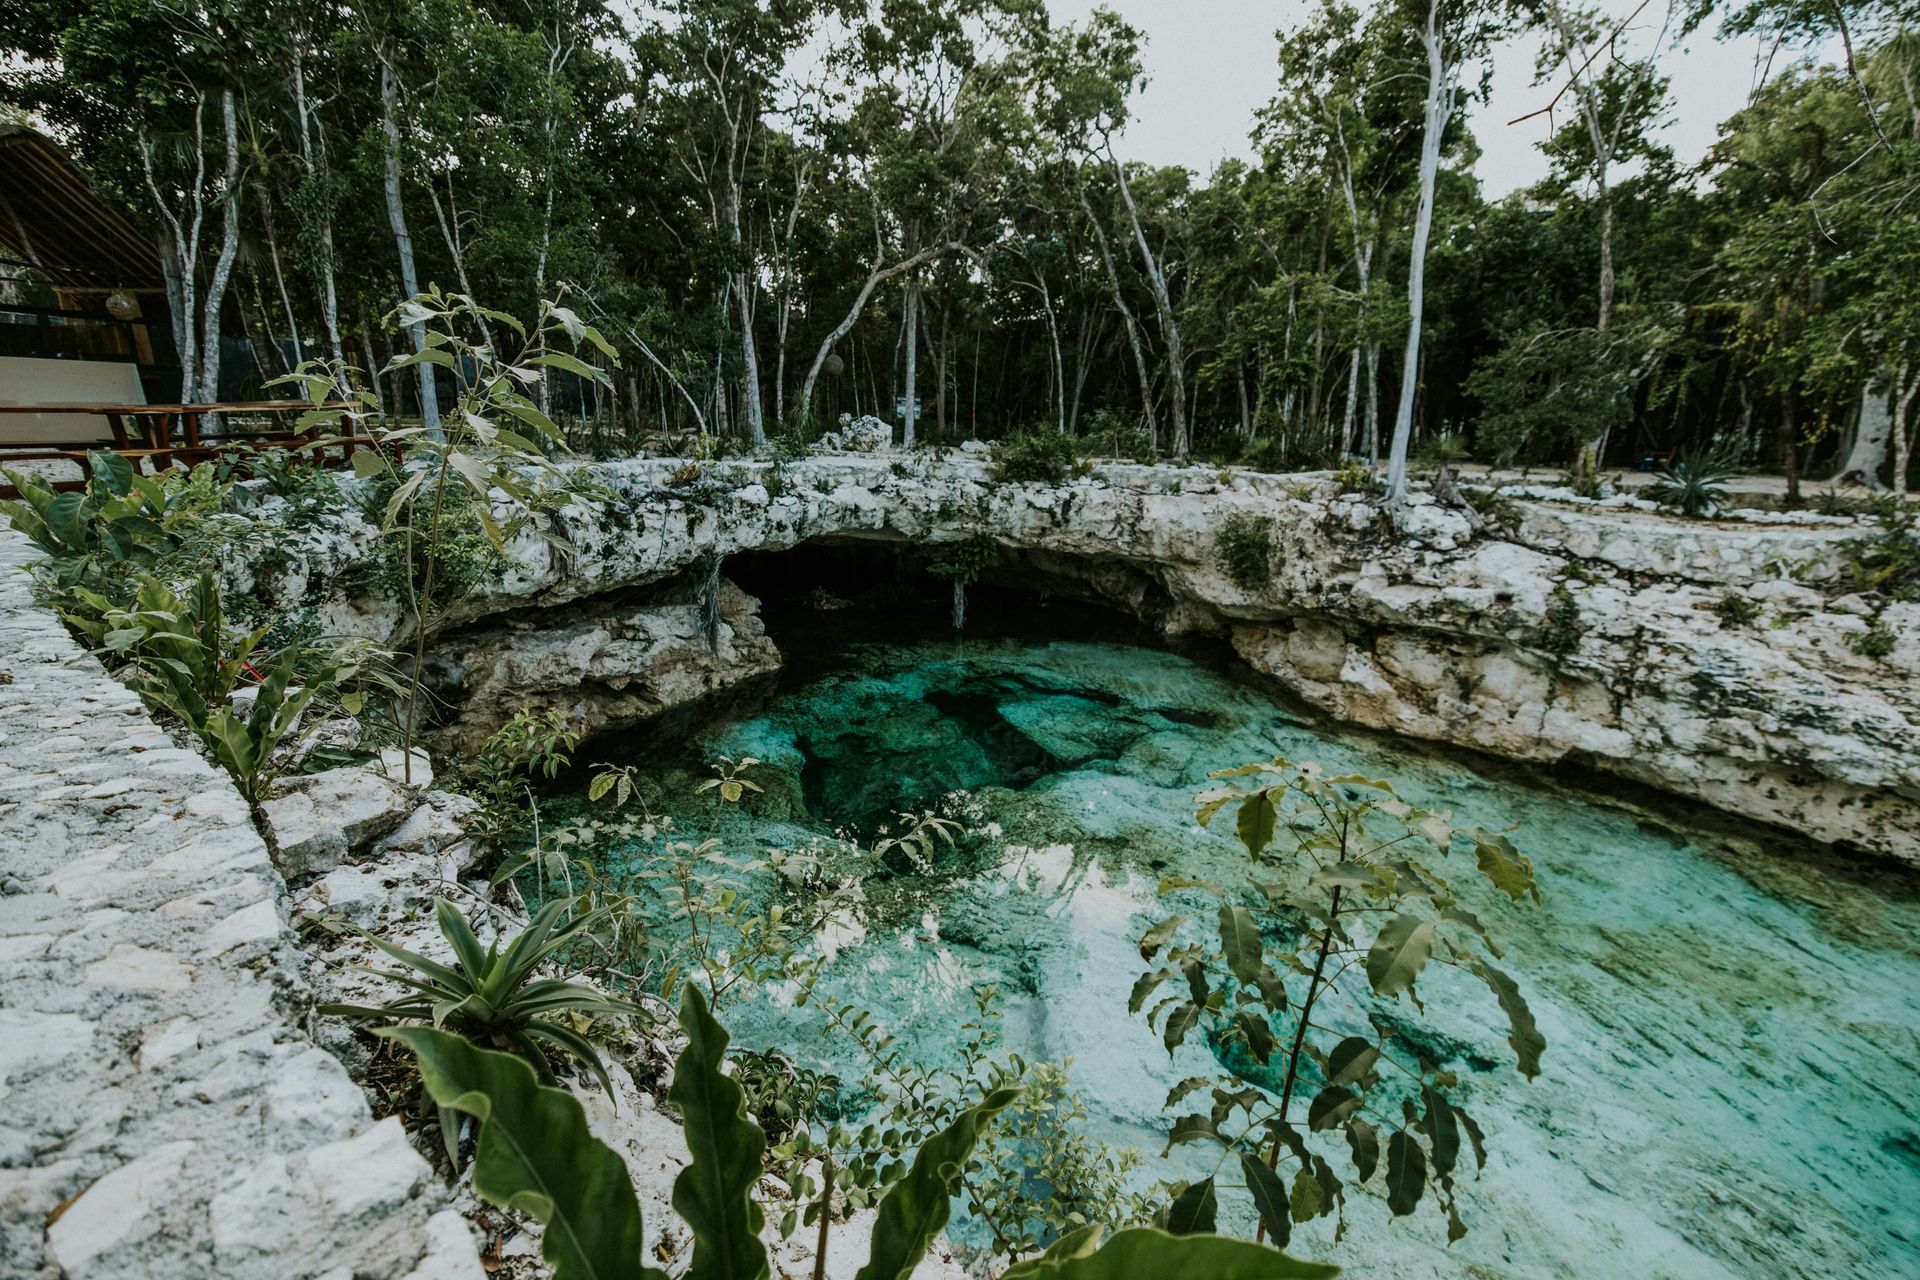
[[492, 997], [1694, 484]]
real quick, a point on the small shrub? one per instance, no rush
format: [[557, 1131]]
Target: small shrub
[[493, 997], [1034, 457], [684, 476], [1564, 628], [1736, 610], [1877, 641], [964, 561], [1448, 449], [1357, 477], [1695, 485], [1244, 551]]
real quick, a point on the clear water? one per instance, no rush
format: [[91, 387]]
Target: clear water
[[1733, 1023]]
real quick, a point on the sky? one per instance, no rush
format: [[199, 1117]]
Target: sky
[[1211, 65]]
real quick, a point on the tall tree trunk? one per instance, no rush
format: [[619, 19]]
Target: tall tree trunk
[[223, 262], [1169, 325], [1871, 436], [1132, 325], [911, 320], [1908, 386], [279, 276], [1439, 107], [749, 366], [449, 226], [874, 280], [1790, 448], [312, 157], [403, 242]]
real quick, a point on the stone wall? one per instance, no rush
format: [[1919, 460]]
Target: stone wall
[[163, 1111], [1585, 633]]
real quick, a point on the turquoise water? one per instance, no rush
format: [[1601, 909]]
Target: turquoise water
[[1733, 1023]]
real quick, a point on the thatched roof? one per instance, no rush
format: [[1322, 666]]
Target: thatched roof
[[51, 220]]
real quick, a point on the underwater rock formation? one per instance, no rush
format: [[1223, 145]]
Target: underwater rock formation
[[1587, 634]]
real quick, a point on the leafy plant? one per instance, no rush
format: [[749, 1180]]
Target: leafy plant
[[536, 1153], [1563, 630], [1877, 641], [1341, 869], [1244, 551], [1695, 484], [250, 747], [1034, 457], [119, 520], [964, 561], [1736, 610], [496, 439], [1358, 477], [727, 780], [493, 996]]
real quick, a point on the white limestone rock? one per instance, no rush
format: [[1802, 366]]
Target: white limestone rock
[[320, 820]]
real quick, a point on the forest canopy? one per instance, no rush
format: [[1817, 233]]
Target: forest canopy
[[781, 214]]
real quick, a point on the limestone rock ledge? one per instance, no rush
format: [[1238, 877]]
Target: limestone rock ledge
[[605, 666], [1435, 630]]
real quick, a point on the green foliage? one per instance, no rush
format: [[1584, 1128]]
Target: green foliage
[[1034, 457], [535, 1153], [1877, 641], [714, 1193], [1332, 861], [1358, 477], [964, 561], [120, 522], [1562, 634], [493, 996], [1244, 551], [1888, 560], [249, 747], [1695, 485], [1736, 610], [1549, 392]]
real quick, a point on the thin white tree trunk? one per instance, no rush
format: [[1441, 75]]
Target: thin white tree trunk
[[310, 157], [912, 320], [875, 279], [223, 263], [1169, 326], [1870, 440], [1132, 325], [403, 242], [1439, 107]]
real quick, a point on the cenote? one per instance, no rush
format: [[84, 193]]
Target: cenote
[[1732, 1015]]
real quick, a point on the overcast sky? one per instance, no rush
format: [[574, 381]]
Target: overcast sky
[[1211, 64]]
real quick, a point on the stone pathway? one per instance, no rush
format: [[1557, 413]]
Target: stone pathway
[[163, 1111]]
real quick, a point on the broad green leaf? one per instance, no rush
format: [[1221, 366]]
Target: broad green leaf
[[1194, 1210], [1191, 1128], [1159, 936], [1145, 985], [1347, 875], [1304, 1201], [1351, 1059], [1331, 1106], [1240, 942], [1528, 1044], [1509, 870], [1406, 1172], [572, 364], [536, 1155], [1179, 1022], [1269, 1197], [916, 1209], [599, 787], [1142, 1253], [1399, 953], [1186, 1088], [1256, 822], [1364, 1142], [1442, 1132], [1259, 1034], [115, 471], [714, 1193], [66, 518]]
